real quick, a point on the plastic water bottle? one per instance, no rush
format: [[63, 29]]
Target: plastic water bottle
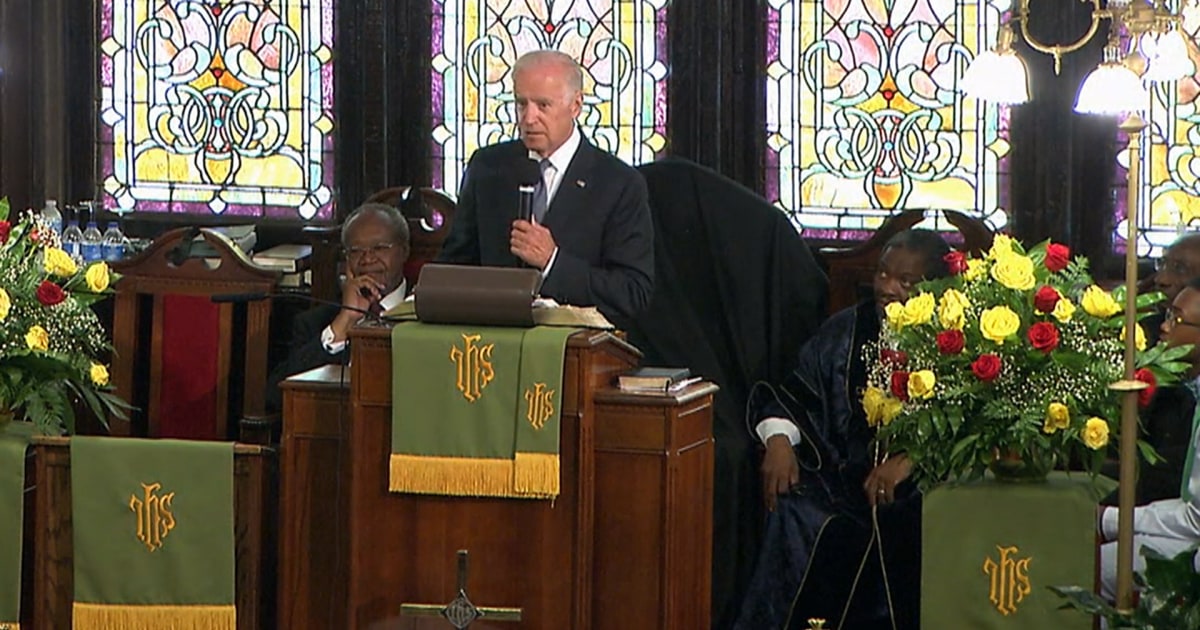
[[90, 246], [52, 216], [72, 236], [113, 242]]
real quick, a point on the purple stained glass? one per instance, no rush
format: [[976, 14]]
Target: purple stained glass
[[212, 109]]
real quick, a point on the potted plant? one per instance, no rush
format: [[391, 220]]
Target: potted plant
[[1169, 595], [1006, 364]]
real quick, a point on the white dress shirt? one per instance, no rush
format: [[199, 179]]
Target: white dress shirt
[[386, 303], [553, 175]]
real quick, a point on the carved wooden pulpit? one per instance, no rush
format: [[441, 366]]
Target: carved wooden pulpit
[[626, 544]]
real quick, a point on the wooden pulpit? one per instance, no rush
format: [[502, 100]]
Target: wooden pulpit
[[627, 543]]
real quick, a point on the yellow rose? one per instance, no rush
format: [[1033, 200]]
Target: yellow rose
[[1139, 337], [5, 304], [951, 309], [1002, 245], [920, 384], [1014, 271], [1063, 310], [872, 402], [999, 322], [1095, 433], [897, 318], [99, 374], [97, 277], [58, 262], [37, 338], [975, 270], [1057, 417], [919, 309], [1098, 303]]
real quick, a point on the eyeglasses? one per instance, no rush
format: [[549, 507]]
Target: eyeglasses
[[1175, 318], [1173, 266], [377, 250]]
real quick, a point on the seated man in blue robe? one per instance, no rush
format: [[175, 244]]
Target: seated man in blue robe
[[843, 531]]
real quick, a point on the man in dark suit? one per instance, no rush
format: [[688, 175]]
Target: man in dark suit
[[376, 241], [590, 234]]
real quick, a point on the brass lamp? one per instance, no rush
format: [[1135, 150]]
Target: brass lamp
[[1157, 52]]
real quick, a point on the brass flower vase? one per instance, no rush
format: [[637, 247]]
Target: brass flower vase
[[1028, 466]]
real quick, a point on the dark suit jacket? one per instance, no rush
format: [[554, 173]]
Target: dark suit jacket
[[599, 218], [305, 351]]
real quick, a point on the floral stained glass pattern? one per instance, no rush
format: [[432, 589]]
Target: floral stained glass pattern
[[217, 107], [864, 115], [1169, 201], [621, 45]]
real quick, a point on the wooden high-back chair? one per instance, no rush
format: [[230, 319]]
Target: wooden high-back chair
[[852, 269], [429, 224], [191, 367]]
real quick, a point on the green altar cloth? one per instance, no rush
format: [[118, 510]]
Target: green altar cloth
[[153, 534], [14, 441], [990, 549], [476, 410]]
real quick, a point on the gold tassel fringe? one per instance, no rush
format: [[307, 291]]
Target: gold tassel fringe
[[153, 617], [9, 625], [455, 476], [530, 476], [536, 475]]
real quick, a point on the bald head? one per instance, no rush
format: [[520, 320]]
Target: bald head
[[1180, 264]]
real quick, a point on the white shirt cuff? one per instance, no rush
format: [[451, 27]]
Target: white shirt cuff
[[769, 427], [1108, 523], [546, 271], [331, 346]]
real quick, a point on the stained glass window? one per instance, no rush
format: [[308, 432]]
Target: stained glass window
[[217, 107], [621, 45], [1169, 201], [864, 115]]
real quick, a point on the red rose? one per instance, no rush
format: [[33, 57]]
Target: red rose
[[1043, 336], [5, 228], [951, 341], [35, 236], [1146, 376], [49, 293], [900, 385], [986, 368], [956, 261], [1057, 256], [894, 358], [1046, 299]]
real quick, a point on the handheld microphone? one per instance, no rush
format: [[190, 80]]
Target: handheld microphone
[[257, 296], [528, 174]]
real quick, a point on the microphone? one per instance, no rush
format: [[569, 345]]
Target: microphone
[[258, 296], [528, 174]]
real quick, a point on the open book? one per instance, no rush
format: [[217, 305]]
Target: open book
[[546, 312]]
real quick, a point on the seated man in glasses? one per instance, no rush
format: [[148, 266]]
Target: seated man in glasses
[[1171, 525], [1179, 264], [376, 242]]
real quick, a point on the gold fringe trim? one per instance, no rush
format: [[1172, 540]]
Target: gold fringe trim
[[153, 617], [9, 625], [455, 476], [536, 474], [530, 476]]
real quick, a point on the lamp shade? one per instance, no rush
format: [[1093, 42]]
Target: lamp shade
[[1112, 89], [998, 77], [1169, 59]]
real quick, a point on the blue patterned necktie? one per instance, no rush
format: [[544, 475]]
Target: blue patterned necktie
[[540, 193], [1185, 492]]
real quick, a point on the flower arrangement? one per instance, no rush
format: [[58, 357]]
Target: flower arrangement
[[1009, 359], [50, 340]]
